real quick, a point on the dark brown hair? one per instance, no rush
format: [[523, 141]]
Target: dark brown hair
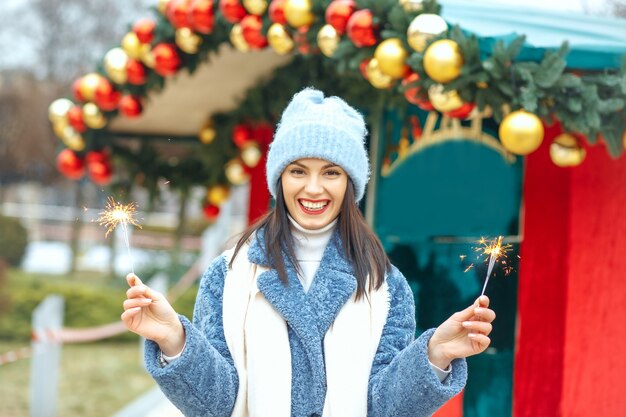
[[360, 245]]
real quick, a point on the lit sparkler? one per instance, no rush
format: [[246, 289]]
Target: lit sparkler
[[494, 251], [115, 214]]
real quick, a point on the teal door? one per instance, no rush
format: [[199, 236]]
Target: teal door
[[431, 207]]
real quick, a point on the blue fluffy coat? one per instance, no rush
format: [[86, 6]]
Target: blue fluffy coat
[[203, 381]]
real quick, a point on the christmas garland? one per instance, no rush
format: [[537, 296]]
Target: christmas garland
[[402, 52]]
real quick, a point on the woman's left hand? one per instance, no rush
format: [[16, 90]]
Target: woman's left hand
[[464, 334]]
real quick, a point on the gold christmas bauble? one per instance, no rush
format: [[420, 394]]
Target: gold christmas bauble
[[236, 38], [444, 101], [93, 117], [115, 65], [207, 134], [133, 47], [391, 57], [565, 151], [279, 39], [624, 138], [187, 40], [162, 6], [521, 132], [423, 28], [376, 77], [217, 194], [411, 6], [73, 139], [148, 58], [257, 7], [251, 154], [298, 13], [443, 61], [88, 85], [59, 129], [57, 111], [328, 40], [236, 173]]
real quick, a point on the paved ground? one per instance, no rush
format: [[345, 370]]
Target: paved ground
[[151, 404]]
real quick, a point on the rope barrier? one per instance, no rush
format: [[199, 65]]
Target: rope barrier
[[92, 334], [15, 355]]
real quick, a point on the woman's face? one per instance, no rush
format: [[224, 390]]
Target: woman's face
[[314, 190]]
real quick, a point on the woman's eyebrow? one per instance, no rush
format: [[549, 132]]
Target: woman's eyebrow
[[331, 165]]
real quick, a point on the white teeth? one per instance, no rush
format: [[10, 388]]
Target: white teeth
[[313, 206]]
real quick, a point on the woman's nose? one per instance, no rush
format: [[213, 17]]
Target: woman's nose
[[313, 185]]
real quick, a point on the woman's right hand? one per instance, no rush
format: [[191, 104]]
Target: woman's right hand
[[149, 314]]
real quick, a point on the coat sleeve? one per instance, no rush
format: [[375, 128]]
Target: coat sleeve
[[402, 382], [203, 380]]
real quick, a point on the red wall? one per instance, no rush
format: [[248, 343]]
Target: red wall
[[543, 270], [571, 347], [595, 337]]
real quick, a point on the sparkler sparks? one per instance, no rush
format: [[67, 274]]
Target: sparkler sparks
[[115, 214], [493, 251]]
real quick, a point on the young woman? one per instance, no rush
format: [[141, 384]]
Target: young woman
[[306, 316]]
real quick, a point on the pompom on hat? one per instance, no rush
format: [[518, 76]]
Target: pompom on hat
[[314, 126]]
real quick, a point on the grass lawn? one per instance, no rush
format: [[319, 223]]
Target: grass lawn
[[96, 380]]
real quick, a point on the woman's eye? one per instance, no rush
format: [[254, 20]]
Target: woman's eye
[[296, 171], [333, 173]]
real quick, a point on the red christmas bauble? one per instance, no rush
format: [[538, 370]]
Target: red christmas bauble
[[232, 10], [130, 106], [415, 95], [360, 28], [242, 134], [276, 12], [166, 59], [144, 29], [210, 211], [202, 17], [177, 13], [338, 12], [251, 29], [136, 72], [106, 96], [100, 172], [363, 67], [302, 42], [97, 156], [263, 133], [75, 119], [412, 93], [425, 105], [70, 165], [78, 95], [462, 112]]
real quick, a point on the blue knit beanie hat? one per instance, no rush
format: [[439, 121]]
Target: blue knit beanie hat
[[313, 126]]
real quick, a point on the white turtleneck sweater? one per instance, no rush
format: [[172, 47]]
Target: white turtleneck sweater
[[309, 246]]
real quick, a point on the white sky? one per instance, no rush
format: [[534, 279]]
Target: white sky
[[583, 6], [17, 50]]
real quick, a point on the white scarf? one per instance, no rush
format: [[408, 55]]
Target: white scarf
[[257, 338]]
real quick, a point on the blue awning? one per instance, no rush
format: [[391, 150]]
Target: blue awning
[[595, 42]]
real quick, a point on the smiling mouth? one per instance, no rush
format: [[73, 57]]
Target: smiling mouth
[[313, 207]]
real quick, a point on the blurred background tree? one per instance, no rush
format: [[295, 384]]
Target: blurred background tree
[[44, 45], [618, 8]]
